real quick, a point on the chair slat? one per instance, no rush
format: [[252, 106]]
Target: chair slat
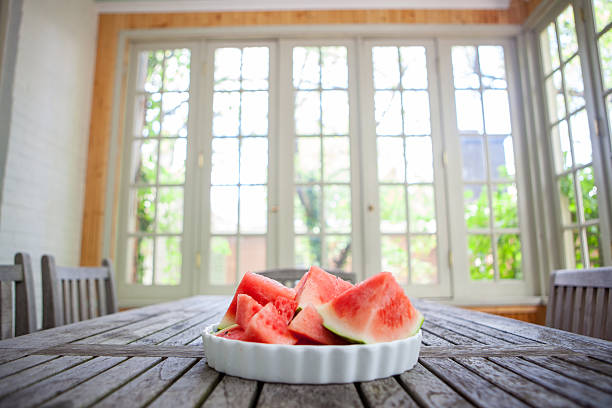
[[11, 273], [608, 324], [92, 297], [589, 312], [552, 298], [101, 297], [599, 318], [567, 308], [6, 308], [557, 312], [74, 300], [66, 295], [83, 299], [578, 311]]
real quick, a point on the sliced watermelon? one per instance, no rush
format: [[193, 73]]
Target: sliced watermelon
[[374, 311], [234, 332], [268, 326], [246, 307], [308, 325], [317, 287], [286, 308], [261, 289]]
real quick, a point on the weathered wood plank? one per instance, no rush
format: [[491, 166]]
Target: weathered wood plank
[[288, 395], [386, 392], [7, 355], [478, 337], [590, 363], [232, 392], [514, 384], [589, 377], [57, 384], [449, 335], [471, 386], [574, 390], [191, 389], [20, 364], [144, 388], [6, 310], [428, 390]]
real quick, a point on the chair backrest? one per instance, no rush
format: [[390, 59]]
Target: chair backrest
[[289, 277], [72, 294], [580, 301], [19, 274]]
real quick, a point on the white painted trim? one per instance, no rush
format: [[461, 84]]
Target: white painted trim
[[143, 6]]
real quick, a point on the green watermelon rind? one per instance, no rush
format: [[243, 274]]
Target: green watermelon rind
[[331, 329]]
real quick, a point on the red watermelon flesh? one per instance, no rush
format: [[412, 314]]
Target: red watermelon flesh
[[263, 290], [286, 308], [308, 325], [317, 287], [246, 307], [268, 326], [374, 311], [234, 332]]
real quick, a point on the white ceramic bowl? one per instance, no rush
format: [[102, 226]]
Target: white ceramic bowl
[[310, 364]]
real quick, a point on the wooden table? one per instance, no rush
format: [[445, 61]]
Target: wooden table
[[153, 356]]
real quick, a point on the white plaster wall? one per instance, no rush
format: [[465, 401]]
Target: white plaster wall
[[43, 188]]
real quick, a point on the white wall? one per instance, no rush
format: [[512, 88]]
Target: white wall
[[42, 196]]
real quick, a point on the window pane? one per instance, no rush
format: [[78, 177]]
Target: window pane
[[224, 161], [465, 69], [151, 121], [583, 152], [222, 260], [254, 160], [386, 67], [307, 209], [392, 209], [226, 109], [603, 13], [419, 159], [335, 111], [151, 70], [605, 57], [307, 251], [338, 250], [573, 252], [422, 208], [574, 88], [394, 251], [505, 207], [509, 256], [492, 66], [223, 210], [173, 154], [307, 113], [469, 111], [388, 113], [555, 98], [480, 255], [175, 109], [594, 244], [337, 202], [254, 114], [252, 254], [416, 113], [177, 64], [139, 260], [255, 67], [588, 189], [306, 74], [567, 33], [307, 159], [562, 155], [168, 261], [253, 209], [609, 106], [334, 67], [141, 217], [501, 157], [227, 69], [170, 210], [391, 166], [477, 210], [497, 112], [473, 163], [567, 199], [424, 259], [145, 171], [336, 159], [414, 67], [550, 52]]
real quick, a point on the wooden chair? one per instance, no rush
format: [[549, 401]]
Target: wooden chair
[[72, 294], [25, 309], [289, 277], [580, 301]]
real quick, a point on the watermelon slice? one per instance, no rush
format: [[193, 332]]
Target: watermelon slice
[[234, 332], [308, 325], [374, 311], [286, 308], [317, 287], [268, 326], [246, 307], [261, 289]]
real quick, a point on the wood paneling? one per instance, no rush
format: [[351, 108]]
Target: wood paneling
[[108, 34], [526, 313]]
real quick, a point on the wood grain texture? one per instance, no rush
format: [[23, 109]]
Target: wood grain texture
[[109, 26], [232, 392], [308, 396], [385, 393], [429, 390]]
